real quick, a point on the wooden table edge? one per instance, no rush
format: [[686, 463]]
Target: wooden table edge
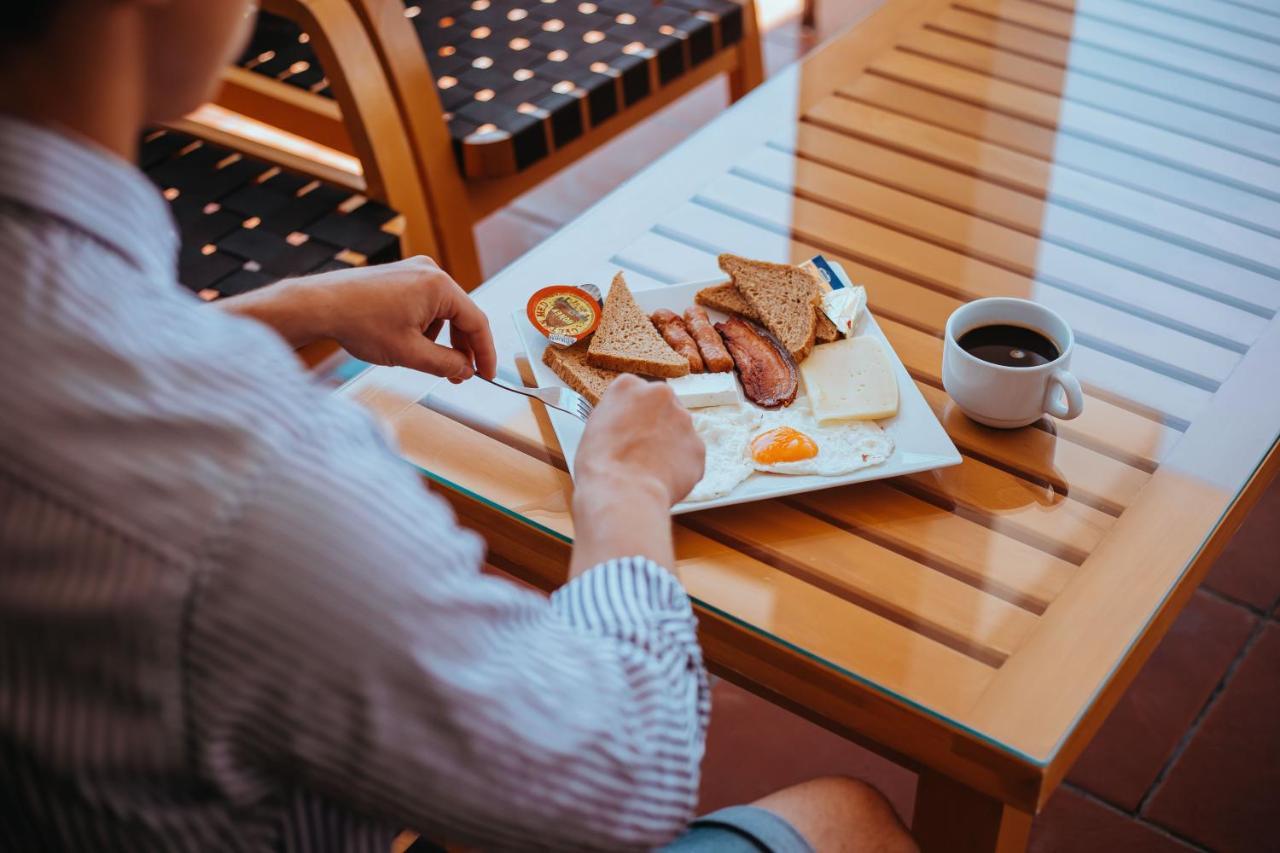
[[1161, 621], [858, 710], [540, 557], [1091, 640]]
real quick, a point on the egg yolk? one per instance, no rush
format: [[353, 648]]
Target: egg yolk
[[782, 445]]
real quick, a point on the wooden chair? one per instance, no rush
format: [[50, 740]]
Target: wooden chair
[[376, 158], [255, 204], [246, 222], [495, 95], [253, 207]]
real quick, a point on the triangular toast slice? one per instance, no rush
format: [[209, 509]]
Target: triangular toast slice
[[570, 364], [726, 298], [782, 296], [626, 340], [826, 331]]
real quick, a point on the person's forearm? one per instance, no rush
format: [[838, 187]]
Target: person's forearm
[[293, 307], [620, 518]]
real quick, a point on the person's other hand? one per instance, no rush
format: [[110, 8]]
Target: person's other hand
[[639, 438], [392, 314]]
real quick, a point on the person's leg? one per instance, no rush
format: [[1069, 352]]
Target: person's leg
[[828, 815], [837, 814]]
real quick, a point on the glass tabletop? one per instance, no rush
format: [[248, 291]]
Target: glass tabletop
[[1118, 162]]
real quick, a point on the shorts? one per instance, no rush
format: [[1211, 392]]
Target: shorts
[[737, 829], [740, 829]]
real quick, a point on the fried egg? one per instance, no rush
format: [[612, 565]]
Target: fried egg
[[791, 441], [741, 440], [725, 432]]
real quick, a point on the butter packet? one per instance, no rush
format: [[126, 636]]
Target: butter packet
[[846, 301]]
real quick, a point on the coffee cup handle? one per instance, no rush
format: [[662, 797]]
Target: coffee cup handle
[[1071, 390]]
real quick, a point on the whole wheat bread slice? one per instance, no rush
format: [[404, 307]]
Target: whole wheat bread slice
[[626, 340], [570, 364], [782, 296], [726, 298], [826, 331]]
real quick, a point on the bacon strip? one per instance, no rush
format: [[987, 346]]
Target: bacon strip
[[709, 343], [672, 329], [768, 372]]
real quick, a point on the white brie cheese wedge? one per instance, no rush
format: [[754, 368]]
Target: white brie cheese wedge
[[844, 306]]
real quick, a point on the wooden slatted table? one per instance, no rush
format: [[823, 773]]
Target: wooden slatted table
[[1117, 161]]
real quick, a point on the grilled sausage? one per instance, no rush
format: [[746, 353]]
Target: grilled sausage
[[709, 343], [672, 329]]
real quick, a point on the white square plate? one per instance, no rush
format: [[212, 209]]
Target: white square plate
[[919, 441]]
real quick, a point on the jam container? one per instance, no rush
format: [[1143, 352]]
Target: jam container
[[565, 313]]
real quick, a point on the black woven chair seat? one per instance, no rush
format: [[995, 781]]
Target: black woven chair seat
[[527, 76], [245, 223]]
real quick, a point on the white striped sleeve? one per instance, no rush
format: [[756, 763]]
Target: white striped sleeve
[[345, 640], [639, 607]]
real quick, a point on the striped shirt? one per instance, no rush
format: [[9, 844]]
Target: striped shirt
[[230, 617]]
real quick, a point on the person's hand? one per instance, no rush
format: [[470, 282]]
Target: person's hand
[[638, 456], [389, 314], [639, 438], [393, 313]]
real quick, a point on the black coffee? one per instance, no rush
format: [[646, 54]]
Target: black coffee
[[1011, 346]]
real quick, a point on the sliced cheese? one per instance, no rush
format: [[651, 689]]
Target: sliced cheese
[[700, 390], [851, 379]]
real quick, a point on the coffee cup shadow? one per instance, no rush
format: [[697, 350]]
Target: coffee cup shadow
[[1035, 479]]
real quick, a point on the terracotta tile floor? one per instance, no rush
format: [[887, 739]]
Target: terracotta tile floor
[[1189, 760]]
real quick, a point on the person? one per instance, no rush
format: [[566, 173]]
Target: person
[[230, 618]]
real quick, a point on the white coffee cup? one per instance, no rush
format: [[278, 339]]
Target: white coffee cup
[[1009, 397]]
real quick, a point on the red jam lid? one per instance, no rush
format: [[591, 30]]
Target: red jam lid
[[564, 313]]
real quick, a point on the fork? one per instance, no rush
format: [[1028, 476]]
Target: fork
[[567, 401]]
